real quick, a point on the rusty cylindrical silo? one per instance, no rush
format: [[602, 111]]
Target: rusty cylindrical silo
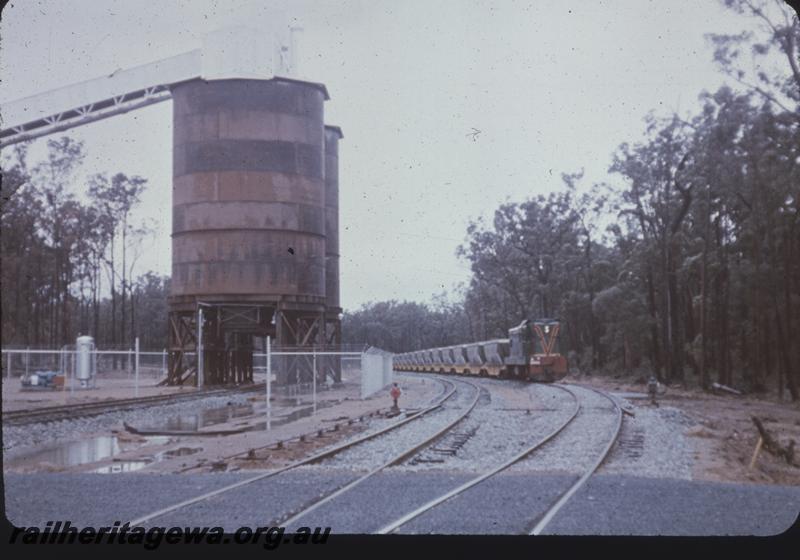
[[333, 309], [248, 241]]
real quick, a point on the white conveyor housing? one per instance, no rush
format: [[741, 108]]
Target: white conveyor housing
[[237, 52]]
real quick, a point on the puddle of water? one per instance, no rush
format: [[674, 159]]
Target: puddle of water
[[121, 467], [135, 465], [193, 422], [70, 454], [74, 453], [625, 395], [180, 452], [285, 419], [130, 466], [291, 417]]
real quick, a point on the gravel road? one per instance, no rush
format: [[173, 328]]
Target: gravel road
[[507, 504]]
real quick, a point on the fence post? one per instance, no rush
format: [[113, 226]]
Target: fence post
[[94, 365], [72, 371], [8, 367], [164, 362], [27, 359], [137, 367], [269, 383], [363, 373], [314, 383], [200, 379]]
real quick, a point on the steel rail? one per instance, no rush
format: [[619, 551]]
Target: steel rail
[[393, 526], [549, 514], [308, 460], [62, 412], [398, 459]]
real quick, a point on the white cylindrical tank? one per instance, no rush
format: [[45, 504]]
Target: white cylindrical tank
[[84, 346]]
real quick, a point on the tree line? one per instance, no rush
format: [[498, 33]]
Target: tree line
[[686, 263], [69, 266]]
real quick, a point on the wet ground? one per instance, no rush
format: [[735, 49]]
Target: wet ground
[[119, 451]]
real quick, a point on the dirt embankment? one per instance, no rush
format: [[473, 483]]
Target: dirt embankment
[[724, 435]]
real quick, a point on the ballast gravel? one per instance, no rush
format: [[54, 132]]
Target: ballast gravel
[[374, 453]]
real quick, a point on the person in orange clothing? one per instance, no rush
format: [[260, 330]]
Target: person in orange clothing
[[395, 393]]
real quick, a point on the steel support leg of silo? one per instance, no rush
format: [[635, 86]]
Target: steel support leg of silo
[[183, 340]]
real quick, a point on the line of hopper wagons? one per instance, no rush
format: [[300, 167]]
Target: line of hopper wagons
[[529, 353]]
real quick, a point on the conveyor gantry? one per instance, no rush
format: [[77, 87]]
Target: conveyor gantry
[[236, 52]]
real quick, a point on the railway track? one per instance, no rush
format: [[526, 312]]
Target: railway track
[[550, 513], [449, 392], [68, 412], [545, 519], [394, 460], [439, 435]]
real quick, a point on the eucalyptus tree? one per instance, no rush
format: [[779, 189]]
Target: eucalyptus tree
[[22, 248], [773, 45], [117, 197], [659, 173], [52, 179]]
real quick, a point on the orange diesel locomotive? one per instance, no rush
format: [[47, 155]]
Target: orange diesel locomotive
[[530, 352]]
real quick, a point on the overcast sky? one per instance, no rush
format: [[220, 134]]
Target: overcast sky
[[551, 86]]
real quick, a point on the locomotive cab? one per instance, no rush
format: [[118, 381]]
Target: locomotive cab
[[519, 341]]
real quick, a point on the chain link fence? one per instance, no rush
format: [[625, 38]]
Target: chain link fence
[[111, 363], [298, 375]]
